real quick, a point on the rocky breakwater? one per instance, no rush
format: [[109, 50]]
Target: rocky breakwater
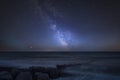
[[34, 72]]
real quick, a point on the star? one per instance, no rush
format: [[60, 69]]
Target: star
[[31, 47]]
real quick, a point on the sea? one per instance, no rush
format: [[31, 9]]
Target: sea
[[94, 65]]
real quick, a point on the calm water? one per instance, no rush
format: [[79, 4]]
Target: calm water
[[95, 66]]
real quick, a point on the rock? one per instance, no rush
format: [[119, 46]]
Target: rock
[[14, 72], [4, 75], [24, 76], [41, 76], [37, 69], [53, 72], [64, 66], [3, 68]]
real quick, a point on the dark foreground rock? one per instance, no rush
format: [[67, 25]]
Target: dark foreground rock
[[34, 73], [24, 76], [41, 76], [4, 75], [51, 72]]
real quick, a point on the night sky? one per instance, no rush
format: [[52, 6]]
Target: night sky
[[43, 25]]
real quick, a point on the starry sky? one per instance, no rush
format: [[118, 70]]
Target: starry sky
[[94, 25]]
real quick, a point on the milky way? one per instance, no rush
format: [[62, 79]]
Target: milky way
[[50, 16], [84, 25]]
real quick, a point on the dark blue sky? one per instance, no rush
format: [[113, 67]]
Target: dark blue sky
[[94, 25]]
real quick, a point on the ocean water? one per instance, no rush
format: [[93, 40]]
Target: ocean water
[[94, 66]]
